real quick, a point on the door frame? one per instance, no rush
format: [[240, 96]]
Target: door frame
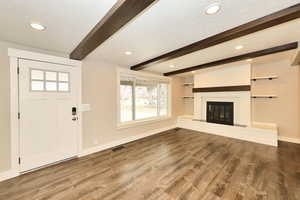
[[14, 56]]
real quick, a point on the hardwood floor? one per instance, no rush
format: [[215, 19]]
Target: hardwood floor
[[174, 165]]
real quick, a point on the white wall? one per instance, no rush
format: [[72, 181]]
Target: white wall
[[285, 109], [228, 75], [100, 90]]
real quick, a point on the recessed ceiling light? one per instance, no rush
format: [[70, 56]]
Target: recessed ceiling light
[[213, 9], [249, 60], [193, 72], [172, 66], [128, 53], [38, 27], [239, 47]]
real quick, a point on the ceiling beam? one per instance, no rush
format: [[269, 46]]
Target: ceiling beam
[[268, 21], [118, 16], [251, 55]]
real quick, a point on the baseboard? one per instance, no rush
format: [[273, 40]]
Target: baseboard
[[8, 175], [287, 139], [123, 141]]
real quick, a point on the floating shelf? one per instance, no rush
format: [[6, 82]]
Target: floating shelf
[[188, 97], [188, 84], [264, 96], [264, 78]]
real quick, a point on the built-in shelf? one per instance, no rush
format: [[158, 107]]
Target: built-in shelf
[[188, 97], [188, 84], [264, 78], [264, 96]]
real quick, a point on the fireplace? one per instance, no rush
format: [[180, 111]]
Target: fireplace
[[220, 112]]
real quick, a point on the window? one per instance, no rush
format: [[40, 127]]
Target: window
[[143, 97], [126, 100], [49, 81]]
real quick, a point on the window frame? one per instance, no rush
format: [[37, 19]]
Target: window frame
[[137, 122]]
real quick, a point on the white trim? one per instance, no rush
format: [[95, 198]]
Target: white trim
[[123, 141], [8, 175], [79, 112], [287, 139], [14, 109], [14, 56], [42, 57], [141, 122]]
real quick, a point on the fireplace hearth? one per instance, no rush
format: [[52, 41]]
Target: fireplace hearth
[[220, 112]]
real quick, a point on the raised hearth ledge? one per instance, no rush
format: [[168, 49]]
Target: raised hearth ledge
[[261, 133]]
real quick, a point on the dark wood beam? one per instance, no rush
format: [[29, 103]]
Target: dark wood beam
[[223, 89], [251, 55], [118, 16], [268, 21]]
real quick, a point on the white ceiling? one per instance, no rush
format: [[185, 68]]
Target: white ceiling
[[171, 24], [67, 21], [259, 60], [166, 26], [275, 36]]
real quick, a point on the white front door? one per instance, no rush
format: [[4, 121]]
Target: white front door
[[49, 127]]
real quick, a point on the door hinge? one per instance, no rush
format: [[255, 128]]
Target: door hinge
[[19, 115], [19, 160], [18, 70]]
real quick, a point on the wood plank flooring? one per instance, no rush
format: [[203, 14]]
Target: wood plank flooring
[[174, 165]]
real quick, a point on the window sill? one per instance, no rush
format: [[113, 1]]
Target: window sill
[[126, 125]]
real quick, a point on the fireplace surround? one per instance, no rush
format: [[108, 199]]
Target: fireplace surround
[[220, 112]]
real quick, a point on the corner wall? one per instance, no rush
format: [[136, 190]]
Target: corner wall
[[284, 110], [100, 90]]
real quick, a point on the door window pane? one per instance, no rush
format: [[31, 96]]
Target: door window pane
[[49, 81], [37, 75], [51, 86], [126, 101], [163, 99], [63, 77], [145, 101], [51, 76], [37, 85], [63, 87]]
